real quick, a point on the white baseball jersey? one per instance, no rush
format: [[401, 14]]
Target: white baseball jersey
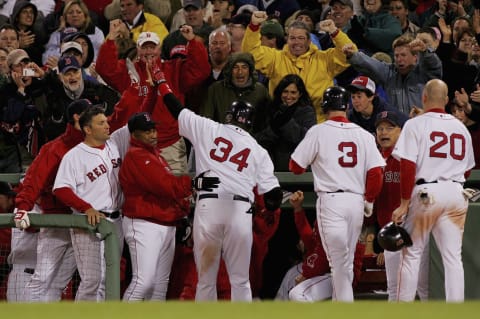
[[92, 174], [230, 153], [446, 155], [340, 154]]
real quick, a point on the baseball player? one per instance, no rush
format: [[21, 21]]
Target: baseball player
[[388, 127], [347, 171], [222, 224], [59, 263], [155, 200], [87, 181], [435, 153]]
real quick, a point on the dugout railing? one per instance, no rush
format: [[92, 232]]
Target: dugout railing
[[106, 230]]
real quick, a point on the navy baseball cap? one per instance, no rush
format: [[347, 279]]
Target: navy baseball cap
[[390, 116], [67, 63], [77, 107], [141, 121], [6, 189]]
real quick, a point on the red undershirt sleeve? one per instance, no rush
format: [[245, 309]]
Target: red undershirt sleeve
[[373, 184], [295, 168], [407, 177], [68, 197]]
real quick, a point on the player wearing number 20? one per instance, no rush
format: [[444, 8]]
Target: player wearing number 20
[[222, 225], [347, 176], [435, 153]]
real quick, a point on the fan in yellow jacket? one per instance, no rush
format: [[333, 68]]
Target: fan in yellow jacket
[[317, 68]]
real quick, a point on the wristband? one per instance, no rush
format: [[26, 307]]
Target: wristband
[[334, 33]]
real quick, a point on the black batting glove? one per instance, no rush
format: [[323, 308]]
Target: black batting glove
[[203, 183]]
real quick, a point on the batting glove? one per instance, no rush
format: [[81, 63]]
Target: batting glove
[[21, 219], [471, 193], [203, 183], [158, 76], [368, 209]]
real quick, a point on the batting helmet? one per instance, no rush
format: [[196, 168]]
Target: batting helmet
[[335, 98], [393, 237], [240, 112]]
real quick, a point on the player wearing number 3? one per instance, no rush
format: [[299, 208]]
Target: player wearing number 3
[[435, 152], [222, 225], [347, 172]]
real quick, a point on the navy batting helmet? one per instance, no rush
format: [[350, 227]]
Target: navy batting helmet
[[240, 112], [335, 98], [393, 237]]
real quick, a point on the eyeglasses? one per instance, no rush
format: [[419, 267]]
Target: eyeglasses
[[396, 8]]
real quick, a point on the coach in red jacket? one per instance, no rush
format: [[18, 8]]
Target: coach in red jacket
[[155, 200]]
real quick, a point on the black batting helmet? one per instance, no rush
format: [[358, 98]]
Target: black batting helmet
[[240, 112], [393, 237], [335, 98]]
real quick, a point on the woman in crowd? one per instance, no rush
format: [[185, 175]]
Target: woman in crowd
[[76, 17], [289, 117]]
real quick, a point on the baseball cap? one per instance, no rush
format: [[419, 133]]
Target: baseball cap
[[71, 45], [66, 63], [140, 121], [6, 189], [344, 2], [272, 28], [77, 107], [241, 18], [16, 56], [145, 37], [390, 116], [363, 83], [196, 3], [66, 32]]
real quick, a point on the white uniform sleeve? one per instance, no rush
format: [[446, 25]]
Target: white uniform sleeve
[[375, 158], [266, 180], [121, 138], [306, 151], [193, 126], [407, 144], [66, 174]]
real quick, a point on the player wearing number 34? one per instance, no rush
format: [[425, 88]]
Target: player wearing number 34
[[347, 176], [222, 226]]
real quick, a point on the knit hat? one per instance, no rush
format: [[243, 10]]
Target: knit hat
[[272, 28]]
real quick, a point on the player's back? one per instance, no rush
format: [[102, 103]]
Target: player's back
[[230, 153], [340, 154], [439, 144]]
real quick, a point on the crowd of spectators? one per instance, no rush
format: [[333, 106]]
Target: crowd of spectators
[[278, 56]]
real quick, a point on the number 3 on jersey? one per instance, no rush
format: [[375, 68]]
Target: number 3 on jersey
[[223, 150]]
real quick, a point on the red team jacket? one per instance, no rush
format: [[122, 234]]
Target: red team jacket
[[181, 75], [389, 197], [151, 191], [38, 182]]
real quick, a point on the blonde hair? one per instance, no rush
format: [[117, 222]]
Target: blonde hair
[[84, 9]]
